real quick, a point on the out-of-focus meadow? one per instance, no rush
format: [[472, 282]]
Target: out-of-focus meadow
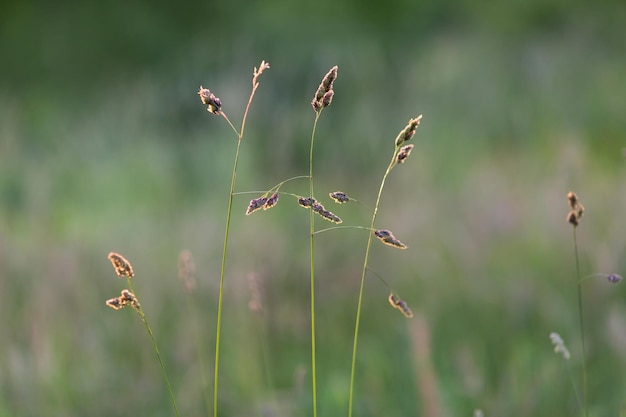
[[105, 146]]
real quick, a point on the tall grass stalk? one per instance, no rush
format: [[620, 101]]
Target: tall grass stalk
[[233, 181], [312, 245], [582, 326]]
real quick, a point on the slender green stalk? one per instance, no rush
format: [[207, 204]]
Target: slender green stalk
[[312, 240], [360, 302], [582, 326], [233, 181], [144, 320]]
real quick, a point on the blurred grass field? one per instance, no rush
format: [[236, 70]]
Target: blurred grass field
[[105, 146]]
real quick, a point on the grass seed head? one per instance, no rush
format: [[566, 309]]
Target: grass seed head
[[614, 278], [409, 130], [256, 204], [324, 93], [404, 153], [271, 202], [123, 268], [339, 197], [214, 104], [574, 216], [306, 202], [559, 345], [388, 238]]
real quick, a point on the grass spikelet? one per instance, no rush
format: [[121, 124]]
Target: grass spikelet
[[271, 201], [388, 238], [306, 202], [214, 104], [559, 345], [404, 153], [256, 204], [122, 267], [324, 93], [339, 197], [401, 305], [408, 132]]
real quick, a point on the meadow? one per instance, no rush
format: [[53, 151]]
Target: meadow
[[106, 147]]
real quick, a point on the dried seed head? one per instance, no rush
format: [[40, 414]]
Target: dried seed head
[[257, 72], [128, 297], [317, 207], [404, 153], [306, 202], [271, 202], [574, 216], [573, 199], [614, 278], [187, 270], [339, 197], [388, 238], [559, 345], [115, 303], [123, 268], [324, 93], [331, 217], [400, 305], [214, 104], [256, 204], [408, 132]]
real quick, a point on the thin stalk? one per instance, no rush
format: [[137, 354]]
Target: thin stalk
[[233, 181], [360, 302], [582, 326], [312, 240], [144, 320]]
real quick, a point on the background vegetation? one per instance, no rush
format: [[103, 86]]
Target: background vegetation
[[104, 146]]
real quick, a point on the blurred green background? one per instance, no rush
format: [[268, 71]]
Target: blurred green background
[[105, 146]]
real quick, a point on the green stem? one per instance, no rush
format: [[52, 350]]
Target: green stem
[[362, 286], [144, 320], [312, 240], [582, 326], [231, 194]]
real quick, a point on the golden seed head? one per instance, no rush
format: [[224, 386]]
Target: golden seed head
[[404, 153], [214, 104], [123, 268], [339, 197], [400, 305]]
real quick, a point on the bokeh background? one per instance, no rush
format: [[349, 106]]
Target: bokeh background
[[105, 146]]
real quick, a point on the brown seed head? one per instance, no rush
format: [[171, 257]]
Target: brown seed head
[[409, 130], [306, 202], [271, 202], [572, 218], [404, 153], [330, 216], [115, 303], [339, 197], [573, 199], [324, 93], [123, 268], [214, 104], [388, 238], [256, 204]]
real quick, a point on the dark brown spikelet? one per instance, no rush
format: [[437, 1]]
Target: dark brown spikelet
[[330, 216], [404, 153], [306, 202], [324, 93], [408, 132], [339, 197], [129, 298], [214, 104], [123, 268], [317, 207], [271, 202], [256, 204], [388, 238], [393, 300], [574, 216], [115, 303]]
